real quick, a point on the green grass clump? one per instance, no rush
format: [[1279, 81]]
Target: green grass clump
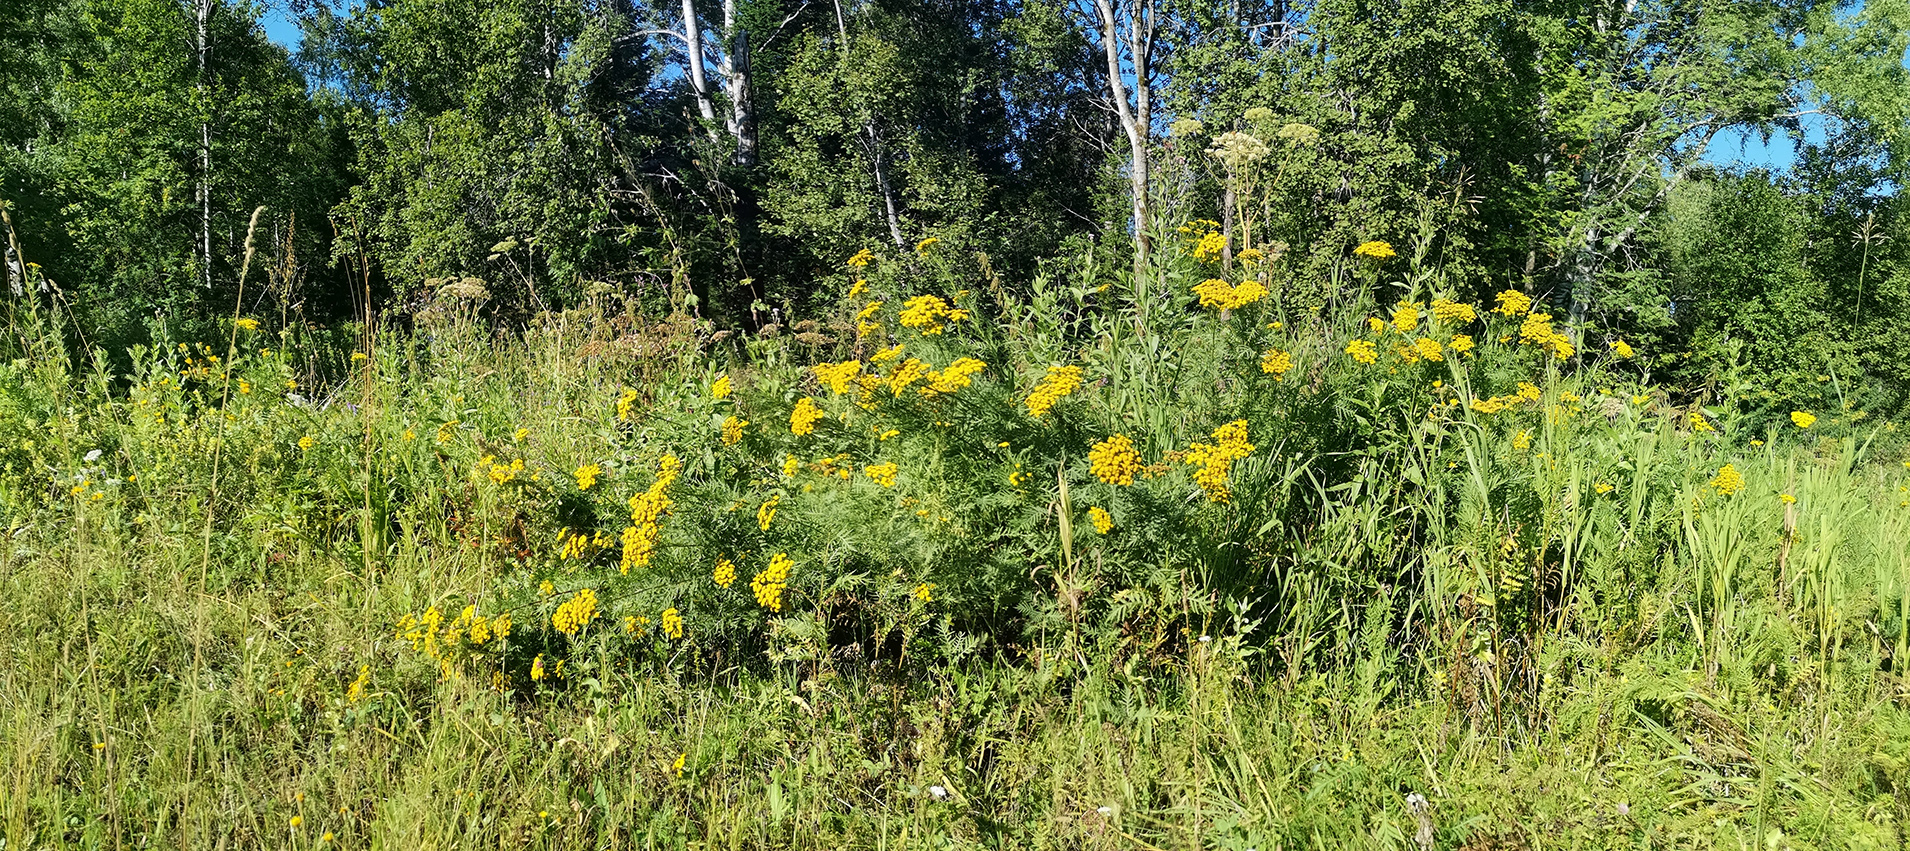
[[1420, 574]]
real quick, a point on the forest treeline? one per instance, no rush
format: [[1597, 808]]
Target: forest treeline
[[725, 157]]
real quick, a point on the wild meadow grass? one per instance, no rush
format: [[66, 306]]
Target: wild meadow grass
[[887, 579]]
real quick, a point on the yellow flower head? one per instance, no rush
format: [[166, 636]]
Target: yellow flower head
[[1461, 343], [1059, 382], [1209, 246], [587, 476], [1622, 349], [1276, 363], [924, 592], [881, 474], [1513, 303], [721, 388], [1728, 481], [802, 420], [837, 376], [921, 248], [1363, 351], [724, 574], [1803, 419], [672, 623], [733, 430], [768, 585], [575, 613], [1406, 317], [1375, 249], [247, 324], [1115, 460], [1101, 520], [1451, 312], [862, 259]]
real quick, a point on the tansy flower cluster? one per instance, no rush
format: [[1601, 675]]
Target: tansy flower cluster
[[802, 419], [930, 314], [768, 585], [1728, 480], [837, 376], [733, 430], [1114, 460], [1276, 363], [430, 635], [1375, 249], [575, 613], [1101, 520], [1230, 445], [1220, 295], [646, 512], [586, 476], [1060, 381]]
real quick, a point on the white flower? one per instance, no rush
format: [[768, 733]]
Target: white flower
[[92, 456], [1206, 638], [937, 792]]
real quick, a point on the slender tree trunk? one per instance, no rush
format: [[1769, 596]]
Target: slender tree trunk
[[205, 143], [878, 153], [693, 47], [1135, 116]]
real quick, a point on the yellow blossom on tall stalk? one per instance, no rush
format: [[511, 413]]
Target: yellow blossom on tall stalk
[[721, 388], [1115, 460], [1059, 382], [626, 403], [1428, 349], [802, 420], [646, 514], [1461, 343], [1513, 303], [958, 375], [767, 512], [1406, 317], [587, 476], [924, 592], [1530, 392], [1363, 351], [537, 668], [926, 313], [1375, 324], [1230, 445], [247, 324], [881, 474], [733, 430], [576, 613], [1803, 419], [306, 443], [671, 622], [1276, 363], [1101, 520], [768, 585], [861, 259], [1697, 422], [356, 691], [1447, 311], [837, 376], [1209, 247], [907, 374], [1376, 249], [724, 574], [1622, 349], [1728, 481], [1220, 295]]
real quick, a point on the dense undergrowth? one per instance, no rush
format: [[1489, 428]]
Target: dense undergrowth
[[1167, 562]]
